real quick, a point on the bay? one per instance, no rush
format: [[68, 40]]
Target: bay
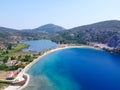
[[76, 69]]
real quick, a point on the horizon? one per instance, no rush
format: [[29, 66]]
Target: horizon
[[68, 14]]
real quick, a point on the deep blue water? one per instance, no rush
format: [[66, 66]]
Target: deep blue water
[[39, 45], [76, 69]]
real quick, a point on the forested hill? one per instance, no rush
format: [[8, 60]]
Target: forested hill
[[106, 32], [49, 28], [8, 35]]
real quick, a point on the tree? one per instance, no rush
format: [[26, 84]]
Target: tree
[[27, 58], [19, 57], [5, 59], [9, 47], [3, 66], [12, 58]]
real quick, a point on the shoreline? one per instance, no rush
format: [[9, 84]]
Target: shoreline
[[23, 72]]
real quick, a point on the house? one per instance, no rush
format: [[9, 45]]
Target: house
[[11, 62], [18, 63], [12, 74]]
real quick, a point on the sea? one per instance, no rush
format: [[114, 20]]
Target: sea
[[76, 69]]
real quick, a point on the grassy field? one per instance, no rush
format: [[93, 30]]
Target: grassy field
[[2, 86], [17, 48]]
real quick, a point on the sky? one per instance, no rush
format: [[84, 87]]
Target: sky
[[28, 14]]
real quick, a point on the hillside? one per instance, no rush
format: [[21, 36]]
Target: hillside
[[8, 35], [48, 28], [107, 32]]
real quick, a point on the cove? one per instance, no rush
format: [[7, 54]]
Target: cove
[[39, 45], [76, 69]]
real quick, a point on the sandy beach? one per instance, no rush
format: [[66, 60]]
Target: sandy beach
[[23, 72]]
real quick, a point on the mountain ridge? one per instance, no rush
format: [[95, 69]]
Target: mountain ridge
[[105, 32], [49, 28]]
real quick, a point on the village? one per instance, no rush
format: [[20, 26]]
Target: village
[[13, 60], [12, 67]]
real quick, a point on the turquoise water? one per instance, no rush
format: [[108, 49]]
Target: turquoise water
[[76, 69], [39, 45]]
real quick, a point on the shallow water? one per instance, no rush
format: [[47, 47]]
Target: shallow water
[[39, 45], [76, 69]]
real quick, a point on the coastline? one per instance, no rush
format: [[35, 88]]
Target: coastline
[[23, 72]]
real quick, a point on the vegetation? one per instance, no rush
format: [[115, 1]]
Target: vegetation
[[8, 54], [17, 48], [7, 57], [2, 86], [25, 59], [107, 32], [49, 28]]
